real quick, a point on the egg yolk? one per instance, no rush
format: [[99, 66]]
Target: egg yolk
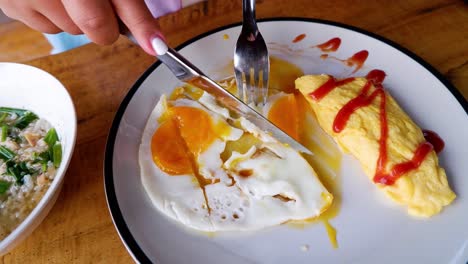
[[185, 132], [282, 75], [196, 128], [169, 150], [284, 114]]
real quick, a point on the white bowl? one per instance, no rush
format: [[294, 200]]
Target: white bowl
[[27, 87]]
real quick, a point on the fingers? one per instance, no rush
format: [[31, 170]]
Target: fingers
[[55, 12], [139, 21], [95, 18], [30, 17], [41, 23]]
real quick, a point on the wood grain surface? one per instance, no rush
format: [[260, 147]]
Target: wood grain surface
[[79, 227], [19, 43]]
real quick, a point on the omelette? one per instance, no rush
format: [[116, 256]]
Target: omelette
[[212, 171], [367, 122]]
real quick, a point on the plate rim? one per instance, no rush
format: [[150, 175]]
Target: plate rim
[[120, 225]]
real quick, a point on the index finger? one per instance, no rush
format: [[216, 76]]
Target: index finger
[[137, 17], [95, 18]]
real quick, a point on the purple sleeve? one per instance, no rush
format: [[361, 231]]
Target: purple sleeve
[[161, 7]]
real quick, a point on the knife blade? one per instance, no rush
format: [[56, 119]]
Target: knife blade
[[187, 72]]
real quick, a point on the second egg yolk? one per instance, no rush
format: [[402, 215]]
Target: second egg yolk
[[284, 114]]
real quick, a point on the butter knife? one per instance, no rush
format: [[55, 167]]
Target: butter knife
[[187, 72]]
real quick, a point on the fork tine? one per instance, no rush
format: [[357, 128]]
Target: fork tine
[[265, 84], [256, 85], [240, 82], [250, 85]]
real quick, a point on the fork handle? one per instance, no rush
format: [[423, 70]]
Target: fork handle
[[248, 14]]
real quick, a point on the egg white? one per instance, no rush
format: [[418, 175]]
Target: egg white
[[235, 202], [176, 196]]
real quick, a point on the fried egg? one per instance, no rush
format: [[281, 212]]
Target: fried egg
[[209, 171]]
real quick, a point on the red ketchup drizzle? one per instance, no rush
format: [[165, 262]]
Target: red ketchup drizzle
[[374, 77], [329, 85], [404, 167], [299, 38], [433, 138], [358, 59], [331, 45], [348, 109]]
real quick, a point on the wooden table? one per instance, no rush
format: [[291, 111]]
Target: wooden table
[[79, 227]]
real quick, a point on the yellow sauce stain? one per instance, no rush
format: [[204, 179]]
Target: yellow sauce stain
[[202, 233], [327, 159], [225, 36], [282, 75], [331, 231]]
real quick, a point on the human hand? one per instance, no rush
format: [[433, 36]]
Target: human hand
[[98, 19]]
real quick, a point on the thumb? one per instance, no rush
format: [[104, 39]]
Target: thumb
[[139, 21]]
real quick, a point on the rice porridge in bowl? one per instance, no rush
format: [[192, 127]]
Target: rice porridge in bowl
[[30, 152], [37, 137]]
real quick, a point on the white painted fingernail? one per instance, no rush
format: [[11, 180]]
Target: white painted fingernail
[[159, 46]]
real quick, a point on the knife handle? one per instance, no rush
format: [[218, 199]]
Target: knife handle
[[180, 66]]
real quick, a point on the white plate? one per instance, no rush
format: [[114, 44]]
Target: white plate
[[370, 229], [27, 87]]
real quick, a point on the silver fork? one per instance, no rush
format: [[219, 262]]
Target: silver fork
[[251, 61]]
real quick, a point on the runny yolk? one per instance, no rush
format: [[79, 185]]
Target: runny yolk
[[284, 114], [169, 151], [196, 128], [184, 134], [282, 75]]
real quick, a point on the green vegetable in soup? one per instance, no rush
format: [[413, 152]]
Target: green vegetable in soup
[[4, 186], [55, 148], [25, 117], [43, 158], [4, 132], [6, 153], [51, 137], [18, 170], [25, 120], [9, 110], [3, 117], [57, 154]]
